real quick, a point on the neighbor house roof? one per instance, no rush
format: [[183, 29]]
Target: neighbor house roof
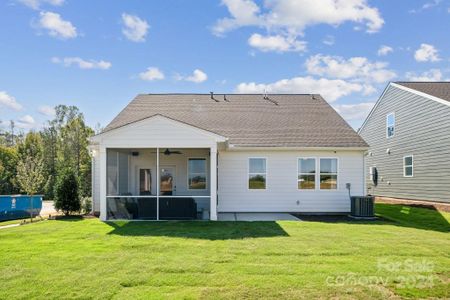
[[249, 120], [437, 89]]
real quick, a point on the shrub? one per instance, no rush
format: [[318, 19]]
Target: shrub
[[66, 193], [86, 205]]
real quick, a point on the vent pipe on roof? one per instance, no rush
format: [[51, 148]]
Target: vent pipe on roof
[[225, 98], [212, 97], [266, 97]]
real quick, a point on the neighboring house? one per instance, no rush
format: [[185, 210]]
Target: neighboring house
[[408, 131], [225, 153]]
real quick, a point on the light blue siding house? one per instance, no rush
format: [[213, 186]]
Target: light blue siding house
[[408, 132]]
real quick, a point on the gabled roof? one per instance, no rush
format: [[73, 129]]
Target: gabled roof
[[437, 89], [249, 120]]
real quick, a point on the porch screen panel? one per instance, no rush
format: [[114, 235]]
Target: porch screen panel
[[123, 174], [111, 172]]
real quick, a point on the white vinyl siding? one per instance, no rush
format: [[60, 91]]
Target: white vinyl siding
[[282, 193]]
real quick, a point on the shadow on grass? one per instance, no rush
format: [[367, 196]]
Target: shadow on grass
[[198, 230], [73, 218], [426, 218]]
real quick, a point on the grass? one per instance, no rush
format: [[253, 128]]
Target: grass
[[404, 255]]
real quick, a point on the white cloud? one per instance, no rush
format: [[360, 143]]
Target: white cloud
[[81, 63], [354, 112], [426, 52], [36, 4], [26, 121], [135, 28], [293, 16], [426, 5], [9, 101], [56, 26], [384, 50], [430, 75], [47, 110], [197, 76], [330, 89], [356, 68], [329, 40], [151, 74], [276, 43]]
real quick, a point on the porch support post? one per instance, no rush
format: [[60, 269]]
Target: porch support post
[[103, 176], [213, 183], [157, 184]]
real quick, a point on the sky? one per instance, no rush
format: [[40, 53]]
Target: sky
[[99, 54]]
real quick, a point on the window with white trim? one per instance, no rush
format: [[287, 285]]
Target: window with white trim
[[328, 173], [257, 173], [306, 179], [197, 173], [390, 125], [408, 166]]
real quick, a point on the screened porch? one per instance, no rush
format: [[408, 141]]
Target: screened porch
[[158, 184]]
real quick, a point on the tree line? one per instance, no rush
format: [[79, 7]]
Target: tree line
[[34, 162]]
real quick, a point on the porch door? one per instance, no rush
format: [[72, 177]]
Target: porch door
[[167, 181]]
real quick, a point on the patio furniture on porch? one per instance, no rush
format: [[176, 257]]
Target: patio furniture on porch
[[177, 208]]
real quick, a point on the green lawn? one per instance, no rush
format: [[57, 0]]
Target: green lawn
[[405, 255]]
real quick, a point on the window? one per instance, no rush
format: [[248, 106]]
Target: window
[[257, 173], [390, 125], [408, 164], [197, 173], [306, 174], [328, 173]]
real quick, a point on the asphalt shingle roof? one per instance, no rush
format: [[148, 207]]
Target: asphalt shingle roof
[[436, 89], [249, 120]]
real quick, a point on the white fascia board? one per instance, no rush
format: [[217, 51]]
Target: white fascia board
[[241, 148]]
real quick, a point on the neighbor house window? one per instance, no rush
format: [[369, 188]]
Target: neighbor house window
[[328, 173], [408, 165], [390, 125], [257, 173], [306, 174], [197, 173]]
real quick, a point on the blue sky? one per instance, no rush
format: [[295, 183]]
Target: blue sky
[[99, 54]]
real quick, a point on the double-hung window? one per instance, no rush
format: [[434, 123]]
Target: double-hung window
[[328, 173], [257, 173], [306, 179], [408, 166], [390, 125], [197, 173]]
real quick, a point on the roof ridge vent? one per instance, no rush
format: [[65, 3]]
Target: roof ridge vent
[[212, 97]]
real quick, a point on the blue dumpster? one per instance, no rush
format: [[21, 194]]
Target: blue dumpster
[[19, 206]]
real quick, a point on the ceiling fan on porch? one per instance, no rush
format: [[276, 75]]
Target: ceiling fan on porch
[[168, 152]]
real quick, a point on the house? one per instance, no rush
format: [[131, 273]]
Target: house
[[187, 156], [408, 131]]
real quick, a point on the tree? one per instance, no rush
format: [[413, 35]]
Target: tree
[[8, 160], [66, 193], [32, 146], [30, 174]]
